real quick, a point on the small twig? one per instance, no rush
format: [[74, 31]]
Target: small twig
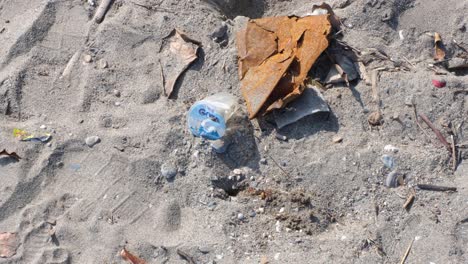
[[405, 256], [406, 59], [417, 121], [428, 187], [409, 201], [454, 154], [436, 131], [186, 256], [102, 10]]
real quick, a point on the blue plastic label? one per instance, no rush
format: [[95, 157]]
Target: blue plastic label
[[205, 122]]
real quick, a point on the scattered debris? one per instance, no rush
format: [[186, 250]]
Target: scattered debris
[[275, 56], [405, 256], [8, 245], [92, 140], [25, 136], [428, 187], [439, 53], [126, 255], [208, 118], [436, 131], [186, 256], [102, 10], [281, 136], [439, 83], [311, 102], [11, 155], [220, 146], [177, 54]]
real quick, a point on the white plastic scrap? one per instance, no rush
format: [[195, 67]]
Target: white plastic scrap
[[390, 148]]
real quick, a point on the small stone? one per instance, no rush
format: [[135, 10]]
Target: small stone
[[263, 161], [237, 172], [388, 161], [281, 137], [91, 141], [261, 210], [281, 210], [240, 216], [80, 121], [252, 214], [337, 139], [117, 103], [168, 170], [204, 250], [87, 58], [116, 92], [375, 119], [220, 146], [409, 100], [43, 127], [211, 205], [102, 64]]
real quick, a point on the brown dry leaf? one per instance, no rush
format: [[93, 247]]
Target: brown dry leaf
[[275, 56], [8, 244], [11, 155], [439, 53], [131, 258], [178, 52]]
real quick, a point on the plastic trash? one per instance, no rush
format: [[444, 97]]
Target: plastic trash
[[388, 161], [208, 118]]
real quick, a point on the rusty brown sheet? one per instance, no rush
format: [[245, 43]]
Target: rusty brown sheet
[[275, 56]]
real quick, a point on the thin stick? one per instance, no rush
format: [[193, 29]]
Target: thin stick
[[102, 10], [409, 201], [454, 154], [403, 259], [436, 131], [406, 59], [428, 187], [417, 121]]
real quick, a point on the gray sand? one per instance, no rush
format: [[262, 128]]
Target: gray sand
[[115, 195]]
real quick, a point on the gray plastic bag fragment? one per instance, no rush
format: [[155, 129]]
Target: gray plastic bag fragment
[[311, 102]]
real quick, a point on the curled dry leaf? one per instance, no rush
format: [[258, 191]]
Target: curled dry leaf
[[375, 119], [131, 258], [179, 51], [8, 245], [11, 155], [439, 53]]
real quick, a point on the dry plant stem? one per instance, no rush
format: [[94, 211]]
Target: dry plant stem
[[405, 256], [417, 121], [436, 131], [428, 187], [101, 10], [454, 154], [409, 201]]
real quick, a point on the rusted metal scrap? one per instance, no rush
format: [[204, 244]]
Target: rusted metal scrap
[[11, 155], [275, 56]]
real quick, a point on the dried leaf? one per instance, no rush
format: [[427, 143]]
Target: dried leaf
[[275, 56], [11, 155], [131, 258], [8, 245], [439, 53], [179, 51]]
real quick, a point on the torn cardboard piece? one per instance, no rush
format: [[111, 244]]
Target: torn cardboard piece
[[311, 102], [178, 53], [275, 56]]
